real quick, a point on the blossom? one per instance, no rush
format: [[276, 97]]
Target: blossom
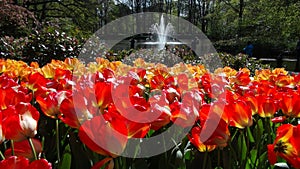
[[50, 104], [15, 162], [20, 121], [289, 104], [212, 130], [102, 138], [238, 113], [186, 112], [267, 106], [286, 145], [23, 148]]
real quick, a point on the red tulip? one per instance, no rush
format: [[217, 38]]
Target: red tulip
[[103, 94], [2, 136], [194, 138], [103, 162], [102, 138], [172, 94], [7, 82], [283, 80], [161, 79], [135, 107], [279, 119], [213, 86], [50, 105], [20, 121], [16, 96], [214, 128], [14, 162], [40, 164], [133, 129], [286, 145], [23, 148], [186, 112], [63, 78], [242, 78], [37, 83], [215, 131], [106, 74]]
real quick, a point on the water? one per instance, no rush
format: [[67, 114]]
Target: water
[[162, 31]]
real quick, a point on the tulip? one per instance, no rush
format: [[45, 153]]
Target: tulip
[[102, 138], [14, 162], [289, 104], [239, 114], [20, 121], [50, 105], [23, 148], [267, 106], [194, 138], [286, 145], [40, 164], [186, 112]]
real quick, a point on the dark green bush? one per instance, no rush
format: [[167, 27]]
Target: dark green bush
[[41, 46]]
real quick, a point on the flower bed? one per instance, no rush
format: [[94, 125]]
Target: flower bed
[[54, 116]]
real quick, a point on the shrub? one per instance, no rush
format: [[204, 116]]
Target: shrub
[[41, 46]]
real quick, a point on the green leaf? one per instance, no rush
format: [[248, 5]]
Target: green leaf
[[150, 132], [250, 136], [66, 159], [253, 155], [263, 158], [242, 146], [188, 154], [259, 130]]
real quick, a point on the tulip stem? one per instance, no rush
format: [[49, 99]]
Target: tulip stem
[[219, 157], [57, 140], [1, 155], [12, 148], [205, 159], [32, 148]]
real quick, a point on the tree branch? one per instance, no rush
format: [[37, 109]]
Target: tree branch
[[233, 7]]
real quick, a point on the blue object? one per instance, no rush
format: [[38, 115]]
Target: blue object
[[249, 50]]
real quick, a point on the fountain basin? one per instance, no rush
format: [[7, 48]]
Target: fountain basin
[[148, 45]]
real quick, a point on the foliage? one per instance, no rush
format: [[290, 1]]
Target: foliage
[[40, 46], [16, 20], [241, 61]]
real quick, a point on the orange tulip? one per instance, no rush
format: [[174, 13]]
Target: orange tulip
[[239, 114], [289, 104], [267, 106]]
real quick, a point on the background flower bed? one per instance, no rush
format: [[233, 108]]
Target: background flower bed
[[260, 117]]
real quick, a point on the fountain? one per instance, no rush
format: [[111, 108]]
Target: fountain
[[162, 32]]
